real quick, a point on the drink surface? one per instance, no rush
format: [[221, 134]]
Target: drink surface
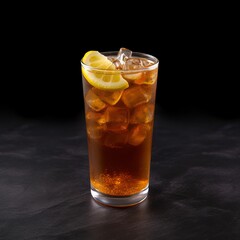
[[119, 127]]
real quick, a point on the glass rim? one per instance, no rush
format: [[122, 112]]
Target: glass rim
[[134, 54]]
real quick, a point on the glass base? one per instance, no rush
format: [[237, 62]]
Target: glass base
[[117, 201]]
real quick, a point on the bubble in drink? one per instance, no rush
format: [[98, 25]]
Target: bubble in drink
[[142, 114], [94, 102], [110, 97], [135, 96], [117, 118], [120, 184]]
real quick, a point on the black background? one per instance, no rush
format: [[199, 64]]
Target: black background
[[195, 47]]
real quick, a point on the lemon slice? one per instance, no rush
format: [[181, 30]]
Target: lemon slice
[[100, 79]]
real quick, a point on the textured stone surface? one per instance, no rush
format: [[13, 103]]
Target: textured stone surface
[[194, 188]]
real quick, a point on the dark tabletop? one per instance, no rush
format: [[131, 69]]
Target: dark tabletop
[[194, 186]]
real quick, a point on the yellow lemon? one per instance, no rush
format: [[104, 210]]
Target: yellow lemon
[[102, 73]]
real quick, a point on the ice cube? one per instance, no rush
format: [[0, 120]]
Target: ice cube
[[110, 97], [135, 96], [138, 134], [149, 77], [141, 77], [95, 123], [95, 117], [94, 102], [122, 56], [117, 64], [116, 139], [95, 131], [133, 64], [150, 90], [146, 62], [134, 76], [117, 118], [142, 114]]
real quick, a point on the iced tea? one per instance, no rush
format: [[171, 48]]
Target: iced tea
[[119, 126]]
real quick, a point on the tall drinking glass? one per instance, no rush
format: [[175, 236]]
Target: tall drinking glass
[[119, 126]]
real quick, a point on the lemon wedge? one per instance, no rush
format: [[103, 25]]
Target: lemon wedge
[[110, 79]]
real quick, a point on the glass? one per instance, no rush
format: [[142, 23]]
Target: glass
[[119, 126]]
